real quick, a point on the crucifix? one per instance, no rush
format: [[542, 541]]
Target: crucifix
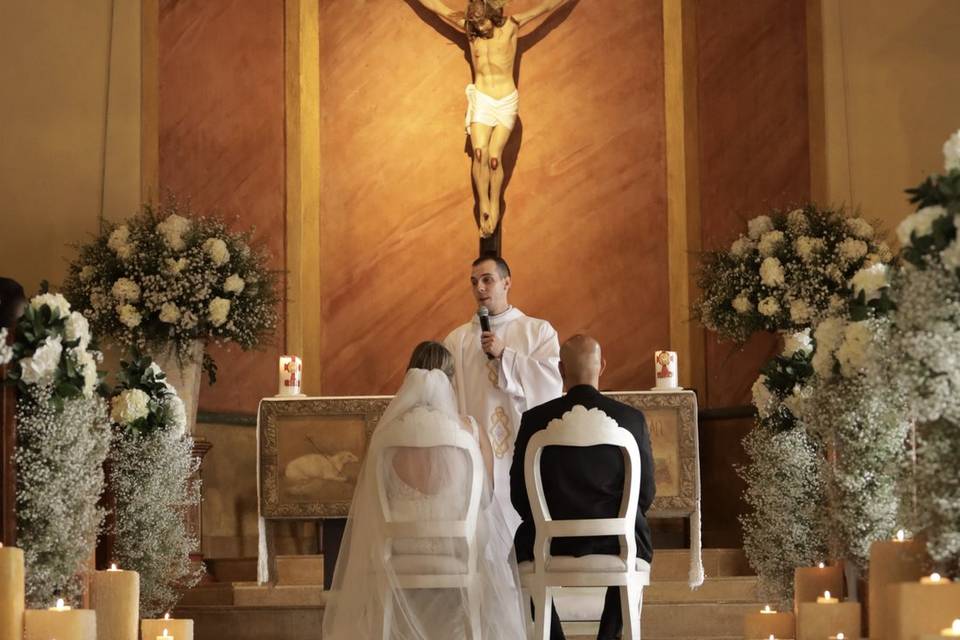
[[492, 99]]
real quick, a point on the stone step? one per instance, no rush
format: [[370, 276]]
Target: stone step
[[674, 564], [253, 623], [704, 621]]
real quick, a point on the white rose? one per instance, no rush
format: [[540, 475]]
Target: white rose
[[852, 354], [6, 351], [55, 301], [218, 309], [870, 281], [41, 367], [797, 221], [852, 249], [797, 342], [87, 273], [763, 400], [951, 153], [741, 246], [800, 311], [217, 250], [87, 367], [919, 224], [176, 415], [769, 306], [126, 290], [129, 315], [770, 241], [758, 226], [172, 230], [77, 328], [771, 272], [808, 247], [233, 284], [169, 313], [119, 242], [129, 406], [742, 304], [860, 228]]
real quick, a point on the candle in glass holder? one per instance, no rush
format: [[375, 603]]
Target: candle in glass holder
[[769, 622], [60, 622], [12, 601], [665, 369], [291, 376], [180, 628], [115, 596]]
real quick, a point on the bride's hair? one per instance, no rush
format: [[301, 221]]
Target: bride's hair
[[432, 355]]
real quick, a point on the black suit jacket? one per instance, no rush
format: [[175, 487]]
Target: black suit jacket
[[582, 482]]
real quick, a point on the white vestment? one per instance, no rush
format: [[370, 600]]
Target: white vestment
[[497, 392]]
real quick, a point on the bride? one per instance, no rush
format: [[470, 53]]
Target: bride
[[420, 485]]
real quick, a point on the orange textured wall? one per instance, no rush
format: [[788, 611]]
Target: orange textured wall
[[754, 144], [585, 224], [222, 145]]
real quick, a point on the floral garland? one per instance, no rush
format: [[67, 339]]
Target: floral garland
[[151, 463], [165, 279], [62, 440], [788, 271]]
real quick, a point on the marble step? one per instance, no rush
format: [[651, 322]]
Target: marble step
[[705, 621], [302, 570]]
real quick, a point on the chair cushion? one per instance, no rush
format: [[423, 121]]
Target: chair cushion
[[593, 563], [428, 565]]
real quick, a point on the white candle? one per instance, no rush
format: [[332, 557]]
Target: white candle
[[953, 631], [767, 609], [826, 598], [291, 376], [165, 636], [182, 629], [12, 601], [60, 622], [115, 596], [839, 636], [665, 369], [901, 536]]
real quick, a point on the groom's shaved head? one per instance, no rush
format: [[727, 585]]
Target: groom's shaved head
[[581, 361]]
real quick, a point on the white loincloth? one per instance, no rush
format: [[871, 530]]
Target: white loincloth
[[491, 111]]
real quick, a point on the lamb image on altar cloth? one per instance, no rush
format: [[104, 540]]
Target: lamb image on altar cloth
[[320, 465]]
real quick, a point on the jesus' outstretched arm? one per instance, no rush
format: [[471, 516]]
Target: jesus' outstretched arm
[[453, 18], [545, 7]]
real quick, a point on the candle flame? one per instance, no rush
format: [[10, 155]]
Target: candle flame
[[59, 603], [166, 616], [901, 535], [826, 595], [771, 637], [165, 634], [840, 636], [934, 577], [956, 626], [821, 565], [113, 567], [766, 609]]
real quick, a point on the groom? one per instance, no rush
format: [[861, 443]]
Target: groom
[[583, 483], [500, 373]]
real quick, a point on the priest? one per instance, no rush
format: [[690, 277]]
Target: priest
[[503, 371]]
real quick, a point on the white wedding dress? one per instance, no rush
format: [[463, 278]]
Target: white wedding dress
[[443, 477]]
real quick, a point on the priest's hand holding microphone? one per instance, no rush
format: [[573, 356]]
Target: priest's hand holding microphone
[[490, 342]]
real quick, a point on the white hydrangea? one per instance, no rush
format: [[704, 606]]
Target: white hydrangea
[[129, 406], [771, 272], [769, 306], [87, 273], [742, 304], [217, 250], [233, 284], [797, 221], [176, 415], [870, 281], [55, 301], [119, 242], [172, 230], [742, 246], [125, 290], [218, 309], [169, 313], [41, 368], [86, 365], [99, 300], [951, 255], [798, 341], [951, 153], [919, 224], [800, 311], [860, 228], [6, 351], [763, 399], [175, 266], [807, 247], [759, 226], [852, 249], [852, 353], [129, 316], [770, 241], [77, 328]]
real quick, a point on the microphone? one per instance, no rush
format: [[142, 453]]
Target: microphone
[[484, 315]]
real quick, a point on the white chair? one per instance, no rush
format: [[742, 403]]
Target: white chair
[[584, 428], [424, 428]]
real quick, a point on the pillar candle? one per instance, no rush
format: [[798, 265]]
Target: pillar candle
[[115, 596], [291, 376], [11, 593], [767, 622], [181, 629], [809, 583], [917, 609], [60, 622], [818, 621], [891, 561], [665, 369]]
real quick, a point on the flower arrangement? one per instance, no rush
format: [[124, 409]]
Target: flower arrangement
[[789, 270], [164, 279], [62, 440], [151, 463]]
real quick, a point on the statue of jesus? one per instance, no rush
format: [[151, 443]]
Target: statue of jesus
[[492, 99]]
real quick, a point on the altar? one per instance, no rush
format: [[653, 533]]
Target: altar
[[310, 449]]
